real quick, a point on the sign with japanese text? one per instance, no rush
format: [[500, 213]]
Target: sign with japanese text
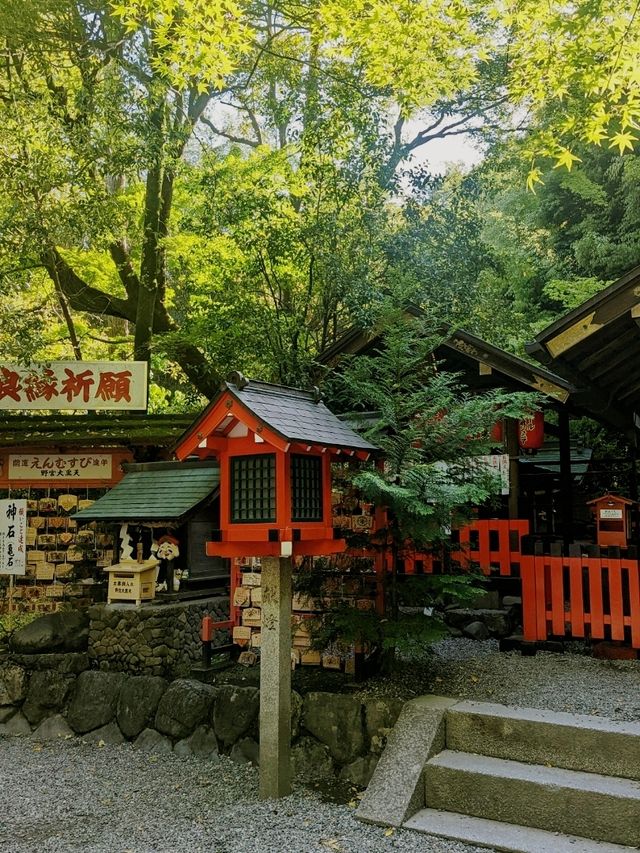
[[58, 466], [118, 385], [611, 513], [13, 537], [498, 464]]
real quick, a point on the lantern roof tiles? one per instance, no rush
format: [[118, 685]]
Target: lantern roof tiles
[[293, 414], [156, 491]]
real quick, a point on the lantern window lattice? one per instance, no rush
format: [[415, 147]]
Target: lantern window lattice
[[306, 488], [253, 488]]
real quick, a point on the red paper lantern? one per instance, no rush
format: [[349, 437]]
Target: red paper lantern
[[497, 432], [531, 431]]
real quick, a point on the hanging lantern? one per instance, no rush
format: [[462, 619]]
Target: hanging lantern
[[497, 432], [531, 431]]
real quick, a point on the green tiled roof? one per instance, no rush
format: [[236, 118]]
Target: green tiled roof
[[156, 491]]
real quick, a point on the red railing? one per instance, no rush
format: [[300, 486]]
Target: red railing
[[494, 545], [593, 597]]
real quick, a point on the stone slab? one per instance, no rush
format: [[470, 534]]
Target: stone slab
[[572, 741], [396, 789], [590, 805], [504, 836]]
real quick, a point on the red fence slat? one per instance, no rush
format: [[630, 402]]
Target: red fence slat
[[615, 600], [576, 596], [596, 610]]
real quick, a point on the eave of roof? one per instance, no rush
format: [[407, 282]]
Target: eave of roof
[[164, 491], [531, 375], [597, 346], [576, 325], [20, 430]]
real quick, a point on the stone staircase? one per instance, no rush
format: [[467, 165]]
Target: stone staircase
[[515, 779]]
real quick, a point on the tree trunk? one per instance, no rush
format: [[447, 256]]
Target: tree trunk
[[150, 264]]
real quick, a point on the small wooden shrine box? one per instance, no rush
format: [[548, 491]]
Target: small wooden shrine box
[[275, 446], [132, 581], [613, 520]]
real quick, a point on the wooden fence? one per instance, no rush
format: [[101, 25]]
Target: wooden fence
[[592, 597], [492, 546]]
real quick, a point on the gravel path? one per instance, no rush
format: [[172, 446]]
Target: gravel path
[[469, 669], [72, 796]]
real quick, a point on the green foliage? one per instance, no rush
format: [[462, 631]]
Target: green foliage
[[10, 622], [430, 431]]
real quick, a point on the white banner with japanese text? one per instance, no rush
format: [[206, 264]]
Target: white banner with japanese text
[[13, 537], [120, 385], [65, 466]]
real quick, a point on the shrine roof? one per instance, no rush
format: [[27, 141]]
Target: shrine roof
[[596, 347], [156, 491], [99, 430], [293, 414]]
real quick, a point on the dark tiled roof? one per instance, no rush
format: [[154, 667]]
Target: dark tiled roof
[[297, 416], [156, 491]]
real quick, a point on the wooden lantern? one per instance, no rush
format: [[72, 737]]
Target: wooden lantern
[[275, 446], [531, 431], [613, 520]]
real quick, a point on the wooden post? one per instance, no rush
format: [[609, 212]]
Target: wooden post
[[513, 449], [275, 679], [566, 482], [11, 584]]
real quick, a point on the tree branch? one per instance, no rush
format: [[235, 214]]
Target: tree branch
[[80, 295], [239, 140], [120, 257]]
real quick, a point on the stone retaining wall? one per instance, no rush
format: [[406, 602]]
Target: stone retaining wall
[[46, 696], [154, 639]]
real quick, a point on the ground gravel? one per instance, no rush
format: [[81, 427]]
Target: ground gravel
[[74, 796], [468, 669]]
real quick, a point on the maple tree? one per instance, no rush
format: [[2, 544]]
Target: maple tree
[[107, 107]]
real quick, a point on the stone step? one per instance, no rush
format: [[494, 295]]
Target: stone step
[[504, 836], [571, 741], [603, 808]]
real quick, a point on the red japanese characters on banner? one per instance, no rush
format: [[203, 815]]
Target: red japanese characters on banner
[[74, 385], [531, 431]]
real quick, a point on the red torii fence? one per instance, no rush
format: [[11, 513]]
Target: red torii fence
[[593, 596], [581, 596]]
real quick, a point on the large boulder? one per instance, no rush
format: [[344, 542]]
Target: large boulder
[[109, 734], [360, 771], [380, 717], [476, 631], [16, 725], [66, 631], [311, 761], [336, 721], [152, 741], [138, 703], [246, 751], [94, 700], [234, 712], [53, 728], [69, 663], [185, 705], [47, 694], [202, 743], [13, 684]]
